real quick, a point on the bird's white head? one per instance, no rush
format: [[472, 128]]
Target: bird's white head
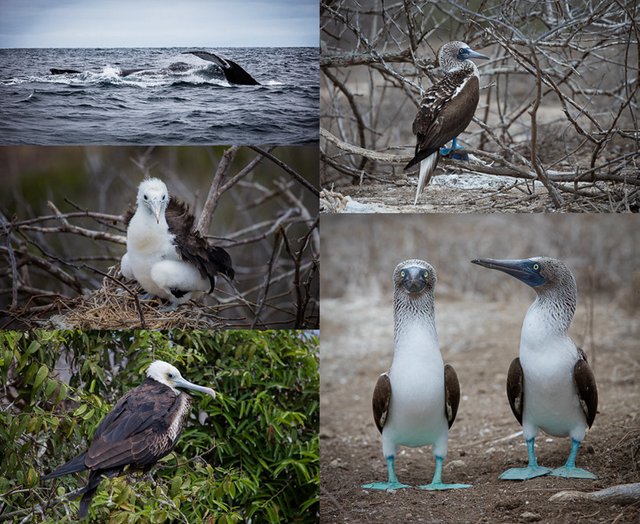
[[153, 197], [456, 55], [169, 375]]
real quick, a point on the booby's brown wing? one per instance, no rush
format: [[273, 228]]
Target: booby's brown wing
[[515, 388], [445, 111], [586, 384], [451, 393], [193, 248], [128, 433], [380, 401]]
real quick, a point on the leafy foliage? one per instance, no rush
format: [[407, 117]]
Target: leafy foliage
[[250, 454]]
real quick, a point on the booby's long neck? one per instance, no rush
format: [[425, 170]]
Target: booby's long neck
[[550, 315], [147, 233], [414, 324]]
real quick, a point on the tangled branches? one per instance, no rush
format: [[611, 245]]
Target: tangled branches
[[62, 265], [559, 98]]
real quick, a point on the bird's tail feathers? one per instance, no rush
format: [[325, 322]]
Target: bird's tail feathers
[[73, 466], [427, 167], [420, 156]]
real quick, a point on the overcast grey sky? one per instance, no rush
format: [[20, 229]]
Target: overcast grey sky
[[159, 23]]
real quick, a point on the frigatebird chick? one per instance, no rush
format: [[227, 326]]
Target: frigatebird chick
[[416, 402], [167, 257], [143, 427], [550, 386], [446, 109]]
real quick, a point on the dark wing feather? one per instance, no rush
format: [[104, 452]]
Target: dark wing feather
[[451, 393], [587, 390], [138, 416], [515, 388], [210, 260], [380, 401], [441, 117]]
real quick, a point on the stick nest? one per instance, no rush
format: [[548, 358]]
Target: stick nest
[[113, 307]]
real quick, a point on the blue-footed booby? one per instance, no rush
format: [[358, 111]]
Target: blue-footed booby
[[164, 254], [142, 427], [416, 402], [446, 108], [550, 386]]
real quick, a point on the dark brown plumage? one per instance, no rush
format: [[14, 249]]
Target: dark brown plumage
[[451, 393], [142, 427], [380, 400], [515, 388]]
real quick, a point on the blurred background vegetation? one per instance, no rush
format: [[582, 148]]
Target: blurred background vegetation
[[602, 250], [253, 219], [250, 455]]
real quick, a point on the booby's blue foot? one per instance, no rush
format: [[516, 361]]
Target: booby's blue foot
[[392, 483], [455, 151], [437, 484], [387, 486], [569, 470], [531, 471], [573, 473], [147, 296]]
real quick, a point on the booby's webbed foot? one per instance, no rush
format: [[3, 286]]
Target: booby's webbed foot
[[392, 484], [437, 484], [386, 486], [527, 473], [441, 486], [569, 470], [573, 473], [147, 296], [455, 151]]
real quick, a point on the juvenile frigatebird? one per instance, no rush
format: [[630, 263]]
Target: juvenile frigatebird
[[143, 427], [167, 257]]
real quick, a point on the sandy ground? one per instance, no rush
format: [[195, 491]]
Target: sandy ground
[[479, 339]]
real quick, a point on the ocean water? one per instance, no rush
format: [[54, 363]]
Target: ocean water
[[179, 99]]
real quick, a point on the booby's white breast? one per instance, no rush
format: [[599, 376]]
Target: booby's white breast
[[416, 411], [551, 400]]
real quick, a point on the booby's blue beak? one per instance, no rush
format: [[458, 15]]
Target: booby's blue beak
[[414, 279], [526, 270], [466, 53]]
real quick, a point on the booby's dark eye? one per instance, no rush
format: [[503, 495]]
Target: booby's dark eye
[[170, 375], [164, 197], [536, 266], [145, 197]]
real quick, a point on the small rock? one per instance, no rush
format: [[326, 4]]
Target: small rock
[[455, 464], [527, 516], [335, 463]]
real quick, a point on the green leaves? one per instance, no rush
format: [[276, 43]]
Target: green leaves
[[255, 455]]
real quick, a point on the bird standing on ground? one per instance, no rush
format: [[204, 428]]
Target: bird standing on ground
[[143, 427], [416, 402], [446, 109], [164, 254], [550, 386]]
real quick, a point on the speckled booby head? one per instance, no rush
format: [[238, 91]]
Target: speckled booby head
[[414, 278], [541, 273], [153, 197], [551, 279], [455, 56]]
